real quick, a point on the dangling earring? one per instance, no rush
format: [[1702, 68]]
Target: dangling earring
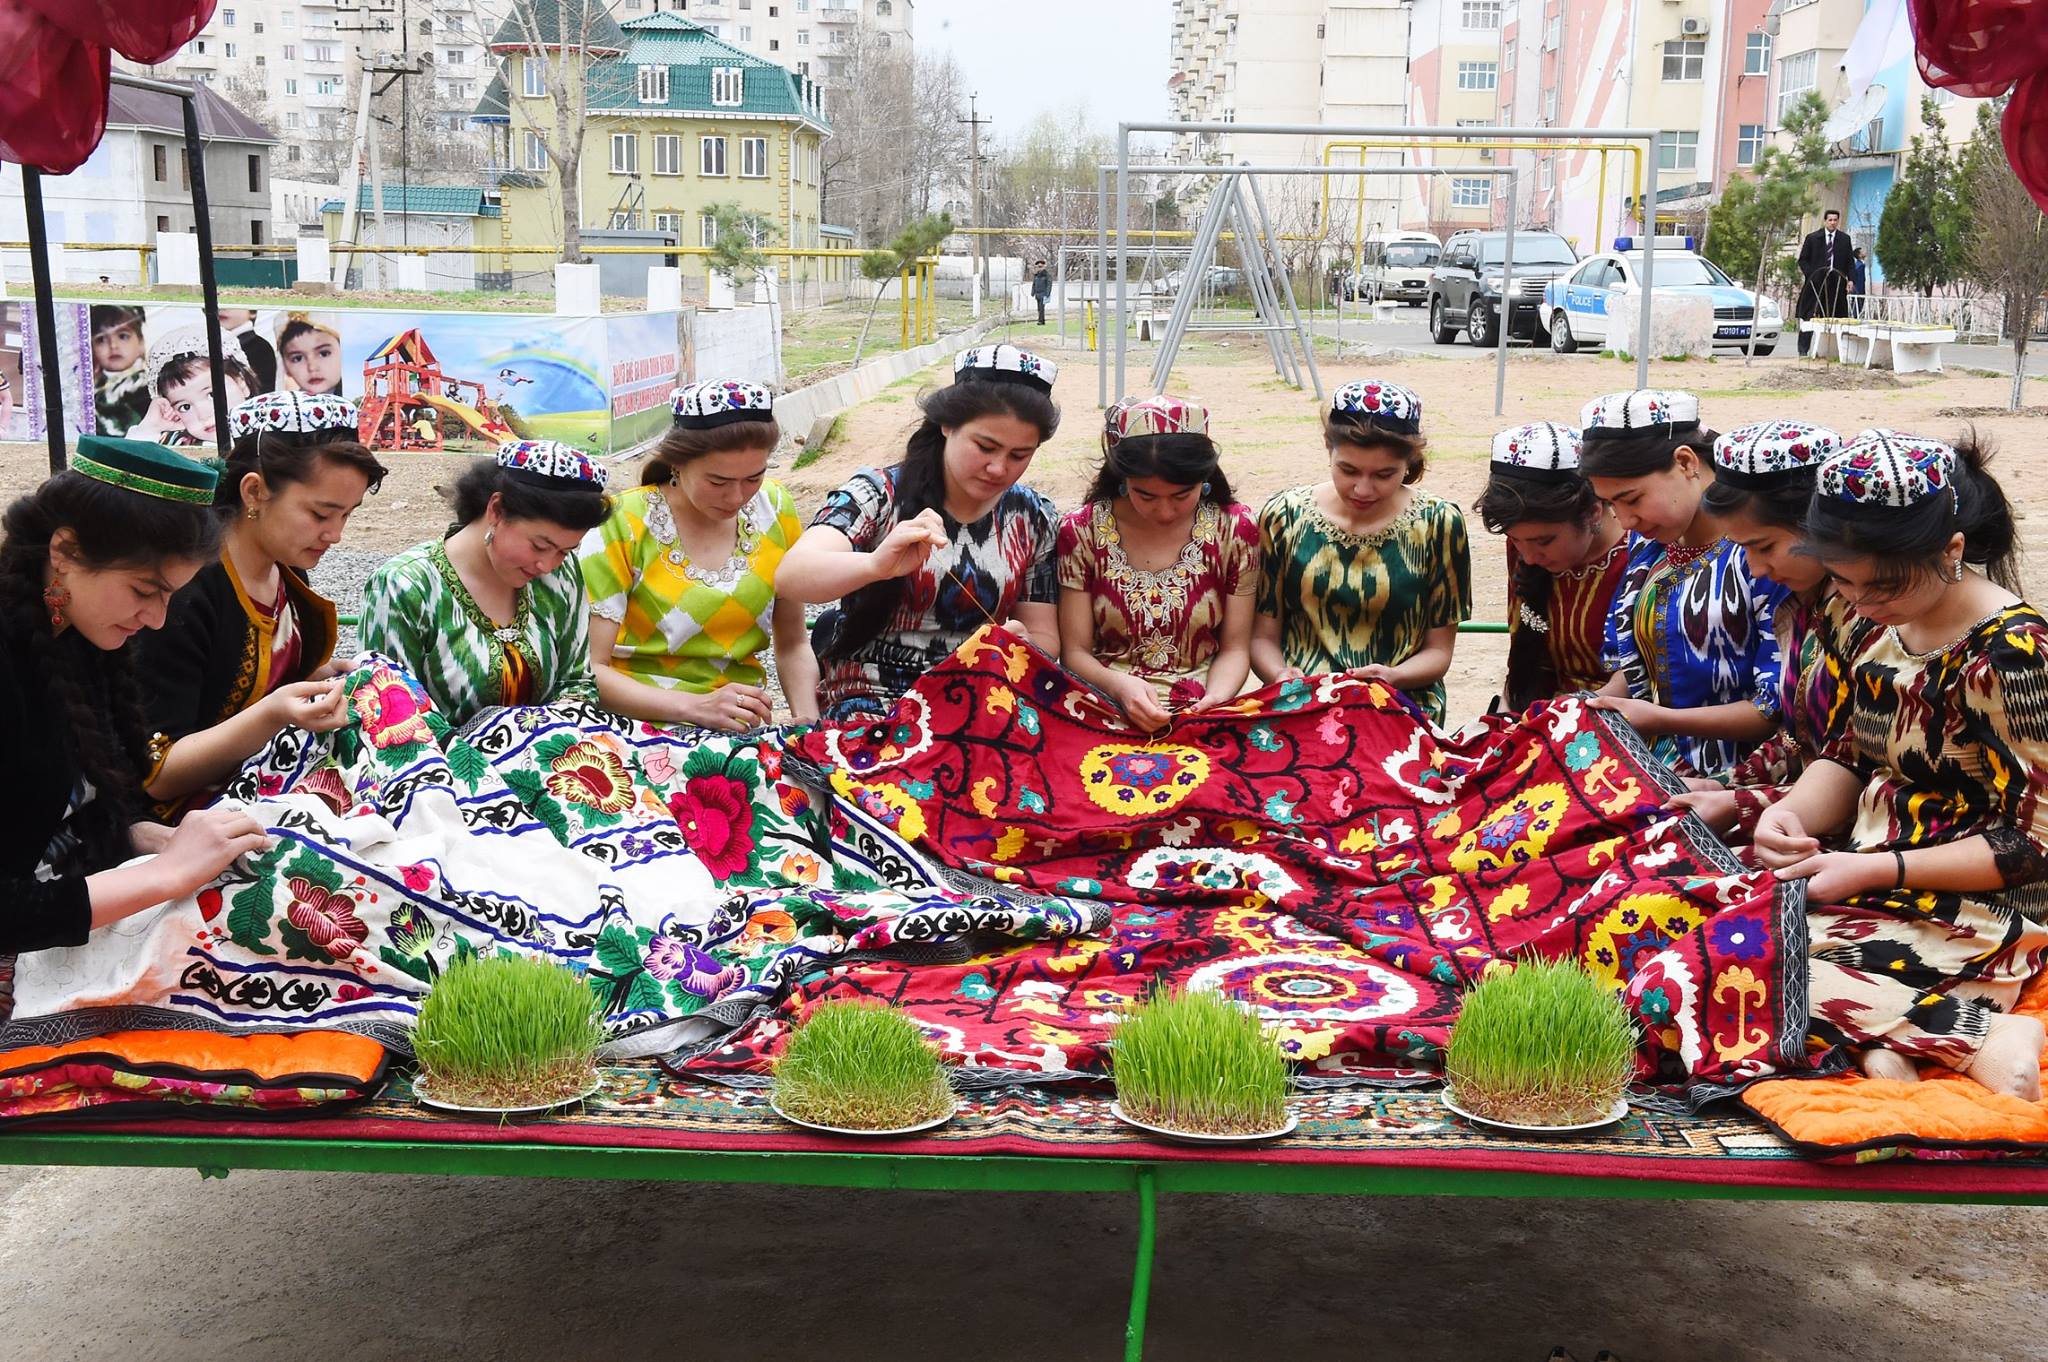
[[252, 513], [55, 598], [1205, 489], [1957, 575], [1123, 489], [489, 535]]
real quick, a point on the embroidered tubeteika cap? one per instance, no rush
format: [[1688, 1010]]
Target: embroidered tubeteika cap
[[1004, 364], [1641, 411], [1377, 403], [552, 462], [1541, 451], [1883, 473], [1154, 415], [151, 469], [720, 402], [1772, 453], [304, 417]]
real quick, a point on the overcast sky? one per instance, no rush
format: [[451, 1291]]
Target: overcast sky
[[1054, 55]]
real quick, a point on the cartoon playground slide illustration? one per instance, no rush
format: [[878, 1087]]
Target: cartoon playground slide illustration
[[405, 395]]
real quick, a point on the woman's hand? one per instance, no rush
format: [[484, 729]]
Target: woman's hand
[[1375, 671], [149, 839], [316, 706], [1781, 840], [1837, 876], [732, 708], [1139, 702], [907, 546], [1647, 719], [1701, 785], [206, 842], [1715, 807]]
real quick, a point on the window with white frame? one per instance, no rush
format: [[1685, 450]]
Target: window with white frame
[[230, 48], [1678, 150], [624, 220], [654, 85], [1553, 32], [1478, 75], [671, 223], [753, 158], [227, 18], [1507, 57], [668, 154], [1474, 123], [326, 52], [1685, 59], [291, 121], [1548, 106], [707, 230], [1469, 191], [746, 33], [1795, 78], [728, 85], [291, 52], [536, 152], [327, 85], [711, 156], [1749, 143], [1546, 173], [291, 87], [803, 37], [625, 153], [1482, 14], [533, 78], [1756, 54]]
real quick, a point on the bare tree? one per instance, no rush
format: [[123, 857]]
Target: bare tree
[[869, 101], [2006, 249], [560, 41], [936, 150]]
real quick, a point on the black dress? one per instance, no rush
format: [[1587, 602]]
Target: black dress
[[43, 862]]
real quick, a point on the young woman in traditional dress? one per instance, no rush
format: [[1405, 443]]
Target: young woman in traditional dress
[[1565, 561], [1763, 484], [681, 575], [921, 555], [1927, 922], [90, 560], [1159, 568], [247, 650], [1365, 573], [1691, 632], [495, 614]]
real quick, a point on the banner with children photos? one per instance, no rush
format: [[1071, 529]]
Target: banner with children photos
[[423, 381], [21, 372]]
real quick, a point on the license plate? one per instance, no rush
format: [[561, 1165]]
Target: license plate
[[1731, 333]]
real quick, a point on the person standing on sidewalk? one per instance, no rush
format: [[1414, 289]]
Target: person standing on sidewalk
[[1827, 262], [1041, 289]]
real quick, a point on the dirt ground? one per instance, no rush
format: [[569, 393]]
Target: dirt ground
[[147, 1265]]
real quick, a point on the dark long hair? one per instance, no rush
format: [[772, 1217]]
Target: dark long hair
[[281, 459], [114, 528], [1910, 543], [1180, 458], [1640, 455], [1782, 505], [681, 447], [1509, 501], [522, 497], [921, 486]]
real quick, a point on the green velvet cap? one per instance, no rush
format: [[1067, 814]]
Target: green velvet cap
[[147, 468]]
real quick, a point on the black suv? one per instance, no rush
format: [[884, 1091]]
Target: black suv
[[1464, 290]]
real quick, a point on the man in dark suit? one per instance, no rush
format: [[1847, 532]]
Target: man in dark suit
[[1041, 289], [1827, 262]]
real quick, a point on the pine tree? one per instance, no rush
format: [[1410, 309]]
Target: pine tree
[[1920, 235], [1758, 212]]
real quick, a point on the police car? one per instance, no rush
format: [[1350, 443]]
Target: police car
[[1575, 305]]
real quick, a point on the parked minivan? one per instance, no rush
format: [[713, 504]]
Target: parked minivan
[[1465, 287], [1396, 266]]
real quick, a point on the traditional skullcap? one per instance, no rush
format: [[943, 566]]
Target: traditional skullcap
[[147, 468], [312, 417], [173, 346], [1154, 415], [1382, 405], [1772, 453], [1883, 473], [720, 402], [552, 463], [1642, 411], [1542, 451], [1004, 364]]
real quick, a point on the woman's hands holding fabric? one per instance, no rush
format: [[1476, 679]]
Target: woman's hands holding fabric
[[1139, 702], [1714, 805], [149, 839], [1781, 839], [732, 708], [1648, 719], [1836, 876], [907, 546], [316, 706], [206, 842]]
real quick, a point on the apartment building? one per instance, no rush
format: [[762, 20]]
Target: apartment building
[[1455, 59], [810, 37]]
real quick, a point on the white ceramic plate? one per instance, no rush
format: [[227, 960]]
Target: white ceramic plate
[[1619, 1110], [1193, 1137], [932, 1124], [423, 1095]]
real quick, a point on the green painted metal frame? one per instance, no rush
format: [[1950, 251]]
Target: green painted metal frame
[[216, 1156]]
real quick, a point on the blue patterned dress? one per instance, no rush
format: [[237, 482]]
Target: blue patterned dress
[[1695, 632]]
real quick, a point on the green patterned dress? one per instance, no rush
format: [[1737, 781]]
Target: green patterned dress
[[417, 612], [1345, 600]]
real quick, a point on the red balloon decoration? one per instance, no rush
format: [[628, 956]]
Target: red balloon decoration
[[55, 56], [1985, 48]]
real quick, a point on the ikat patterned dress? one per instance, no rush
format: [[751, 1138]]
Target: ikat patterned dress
[[417, 612], [1948, 744], [986, 570], [1345, 600], [1693, 629], [683, 625], [1816, 639], [1165, 626]]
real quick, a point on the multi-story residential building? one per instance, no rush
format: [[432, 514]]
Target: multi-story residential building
[[1455, 57], [810, 37], [679, 121]]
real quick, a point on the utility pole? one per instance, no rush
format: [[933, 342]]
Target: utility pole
[[980, 257]]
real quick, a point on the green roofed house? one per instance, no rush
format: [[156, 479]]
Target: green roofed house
[[430, 215], [678, 121]]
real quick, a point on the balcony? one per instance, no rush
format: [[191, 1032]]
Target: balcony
[[837, 14]]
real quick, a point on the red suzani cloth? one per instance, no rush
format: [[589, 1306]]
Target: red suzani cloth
[[1315, 852], [55, 61]]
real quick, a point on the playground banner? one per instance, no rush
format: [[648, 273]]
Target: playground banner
[[459, 381]]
